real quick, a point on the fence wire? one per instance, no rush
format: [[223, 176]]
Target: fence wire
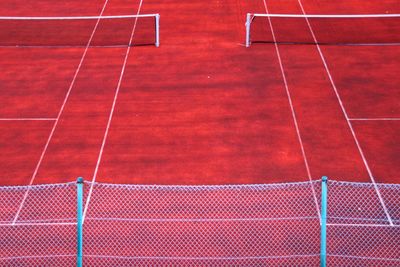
[[38, 225], [232, 225]]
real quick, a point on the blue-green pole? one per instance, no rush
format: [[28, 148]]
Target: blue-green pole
[[324, 211], [79, 225]]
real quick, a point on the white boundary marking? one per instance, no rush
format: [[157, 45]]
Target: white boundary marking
[[28, 119], [374, 119], [59, 114], [293, 111], [346, 116], [111, 115]]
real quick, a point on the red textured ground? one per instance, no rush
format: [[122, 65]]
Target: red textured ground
[[201, 109]]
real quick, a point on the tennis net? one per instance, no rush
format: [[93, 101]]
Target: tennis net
[[371, 29], [80, 31]]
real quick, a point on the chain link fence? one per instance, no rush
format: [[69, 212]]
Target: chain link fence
[[232, 225], [38, 225]]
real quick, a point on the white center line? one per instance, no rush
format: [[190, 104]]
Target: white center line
[[59, 114], [346, 116], [293, 112], [111, 114]]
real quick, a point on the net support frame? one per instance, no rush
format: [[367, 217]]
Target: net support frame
[[248, 25], [324, 211], [79, 225], [157, 18], [250, 17], [155, 15]]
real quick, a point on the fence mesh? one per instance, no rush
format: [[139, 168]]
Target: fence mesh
[[359, 229], [201, 225], [240, 225], [38, 225]]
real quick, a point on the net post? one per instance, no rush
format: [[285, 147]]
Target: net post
[[79, 225], [248, 24], [157, 18], [324, 211]]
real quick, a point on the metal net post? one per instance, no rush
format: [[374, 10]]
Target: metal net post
[[324, 209], [248, 25], [79, 225], [157, 18]]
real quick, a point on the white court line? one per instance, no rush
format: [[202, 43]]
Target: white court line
[[28, 119], [374, 119], [346, 116], [111, 115], [293, 112], [59, 114]]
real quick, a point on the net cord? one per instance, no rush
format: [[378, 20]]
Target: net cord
[[80, 17], [325, 16]]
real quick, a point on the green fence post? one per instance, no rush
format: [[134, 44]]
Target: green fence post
[[79, 225], [324, 211]]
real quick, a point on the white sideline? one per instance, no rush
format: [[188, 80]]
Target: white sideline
[[110, 116], [59, 114], [293, 112], [346, 116]]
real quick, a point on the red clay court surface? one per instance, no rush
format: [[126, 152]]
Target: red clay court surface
[[201, 108]]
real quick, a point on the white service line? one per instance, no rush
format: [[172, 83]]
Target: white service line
[[28, 119], [346, 116], [59, 114], [293, 112], [374, 119], [111, 115]]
